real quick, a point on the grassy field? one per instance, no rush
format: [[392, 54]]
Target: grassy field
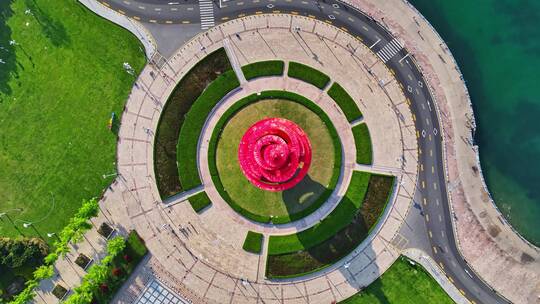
[[402, 283], [362, 140], [263, 68], [193, 125], [308, 74], [345, 102], [277, 204], [172, 118], [58, 88]]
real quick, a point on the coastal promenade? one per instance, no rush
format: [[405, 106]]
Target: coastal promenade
[[487, 242]]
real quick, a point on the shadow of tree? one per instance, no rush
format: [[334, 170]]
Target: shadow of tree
[[8, 66], [52, 29]]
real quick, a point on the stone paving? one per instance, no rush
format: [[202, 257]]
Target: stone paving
[[492, 248], [200, 256]]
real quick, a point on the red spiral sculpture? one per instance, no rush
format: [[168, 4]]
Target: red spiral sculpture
[[274, 154]]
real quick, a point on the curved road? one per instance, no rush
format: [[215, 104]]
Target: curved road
[[431, 184]]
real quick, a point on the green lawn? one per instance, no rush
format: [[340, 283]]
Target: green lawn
[[193, 125], [330, 225], [285, 203], [402, 283], [337, 235], [199, 201], [362, 140], [58, 88], [263, 68], [308, 74], [345, 102], [253, 242]]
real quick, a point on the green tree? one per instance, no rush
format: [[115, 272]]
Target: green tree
[[44, 272]]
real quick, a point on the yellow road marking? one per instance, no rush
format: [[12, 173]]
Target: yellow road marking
[[427, 217], [122, 12], [258, 13], [136, 18], [168, 22], [421, 167], [451, 280], [186, 22], [106, 4], [225, 18], [295, 13], [442, 266], [425, 201], [431, 235], [153, 21], [434, 249]]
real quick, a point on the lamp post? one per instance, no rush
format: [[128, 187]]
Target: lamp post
[[27, 225], [109, 175], [51, 234]]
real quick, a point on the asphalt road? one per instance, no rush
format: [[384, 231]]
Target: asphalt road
[[433, 204]]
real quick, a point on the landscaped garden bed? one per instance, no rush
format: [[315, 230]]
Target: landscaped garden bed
[[105, 230], [179, 103], [263, 69], [335, 236], [104, 278], [308, 74], [234, 191], [345, 102], [199, 201], [362, 140], [253, 242], [193, 125]]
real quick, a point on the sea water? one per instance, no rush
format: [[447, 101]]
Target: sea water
[[497, 46]]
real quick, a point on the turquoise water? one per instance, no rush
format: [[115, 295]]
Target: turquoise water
[[497, 46]]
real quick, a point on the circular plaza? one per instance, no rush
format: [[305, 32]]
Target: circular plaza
[[269, 168]]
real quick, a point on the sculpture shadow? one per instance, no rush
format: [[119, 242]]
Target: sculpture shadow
[[305, 193]]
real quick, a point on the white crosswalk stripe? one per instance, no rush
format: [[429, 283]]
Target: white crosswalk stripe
[[206, 9], [389, 50]]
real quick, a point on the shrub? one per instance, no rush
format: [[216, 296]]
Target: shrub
[[362, 140], [193, 124], [263, 68], [308, 74], [345, 102], [253, 242], [199, 201], [18, 252]]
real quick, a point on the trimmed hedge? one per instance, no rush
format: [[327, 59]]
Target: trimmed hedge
[[263, 68], [331, 250], [273, 95], [193, 125], [182, 98], [362, 140], [199, 201], [308, 74], [253, 242], [345, 102]]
